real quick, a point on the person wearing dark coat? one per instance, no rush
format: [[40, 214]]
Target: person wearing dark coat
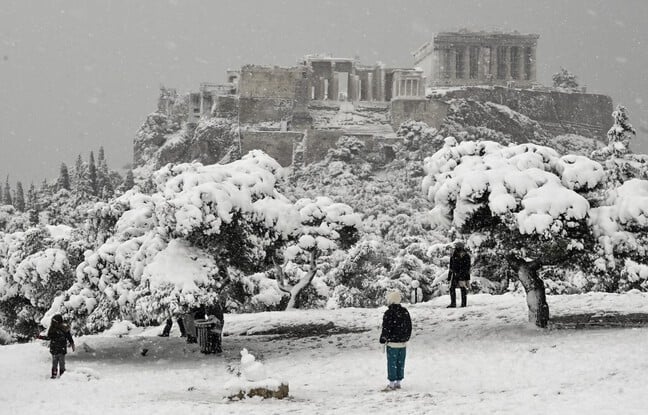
[[169, 323], [215, 317], [396, 332], [459, 274], [189, 319], [60, 338]]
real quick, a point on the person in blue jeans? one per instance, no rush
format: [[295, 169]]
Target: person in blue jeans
[[396, 332]]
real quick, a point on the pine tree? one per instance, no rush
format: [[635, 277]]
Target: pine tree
[[105, 185], [6, 196], [32, 197], [129, 181], [92, 175], [32, 204], [100, 156], [621, 133], [82, 186], [45, 189], [617, 158], [63, 179], [19, 200]]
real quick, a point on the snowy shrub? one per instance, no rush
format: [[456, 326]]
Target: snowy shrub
[[260, 293], [408, 267], [575, 144], [620, 225], [33, 270], [564, 80], [5, 338], [361, 279], [417, 134]]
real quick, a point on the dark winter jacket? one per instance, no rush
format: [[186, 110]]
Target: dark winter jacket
[[397, 325], [459, 265], [59, 337], [217, 311]]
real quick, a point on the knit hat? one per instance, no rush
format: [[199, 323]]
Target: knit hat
[[393, 297]]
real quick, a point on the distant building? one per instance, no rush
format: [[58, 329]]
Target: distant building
[[341, 79], [476, 58], [297, 113]]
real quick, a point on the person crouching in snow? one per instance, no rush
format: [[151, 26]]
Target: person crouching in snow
[[396, 331], [59, 336]]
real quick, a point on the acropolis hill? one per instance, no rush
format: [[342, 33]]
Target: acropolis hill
[[295, 114]]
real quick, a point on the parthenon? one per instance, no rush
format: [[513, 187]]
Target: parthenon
[[475, 58]]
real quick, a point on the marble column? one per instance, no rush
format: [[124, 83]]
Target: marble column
[[494, 64], [438, 64], [520, 63], [506, 55], [452, 67], [380, 84], [466, 63], [532, 64]]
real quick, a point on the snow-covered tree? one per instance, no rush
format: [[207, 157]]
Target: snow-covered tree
[[179, 247], [7, 199], [417, 134], [63, 179], [619, 162], [325, 226], [19, 201], [361, 279], [32, 204], [82, 185], [129, 181], [531, 206], [105, 185], [92, 175], [33, 270], [564, 79], [32, 198]]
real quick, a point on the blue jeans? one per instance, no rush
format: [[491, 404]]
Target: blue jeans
[[395, 363], [58, 361]]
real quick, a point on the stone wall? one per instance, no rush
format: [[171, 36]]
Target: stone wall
[[558, 112], [255, 110], [226, 106], [277, 144], [270, 82], [431, 112], [318, 142]]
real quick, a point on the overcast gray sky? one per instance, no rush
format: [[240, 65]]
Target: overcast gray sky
[[78, 74]]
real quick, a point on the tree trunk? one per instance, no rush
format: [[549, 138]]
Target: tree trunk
[[296, 289], [535, 290]]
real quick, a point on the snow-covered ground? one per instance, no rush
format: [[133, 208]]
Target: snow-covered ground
[[484, 359]]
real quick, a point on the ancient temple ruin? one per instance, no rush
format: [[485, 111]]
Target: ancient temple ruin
[[479, 58], [297, 113], [339, 79]]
